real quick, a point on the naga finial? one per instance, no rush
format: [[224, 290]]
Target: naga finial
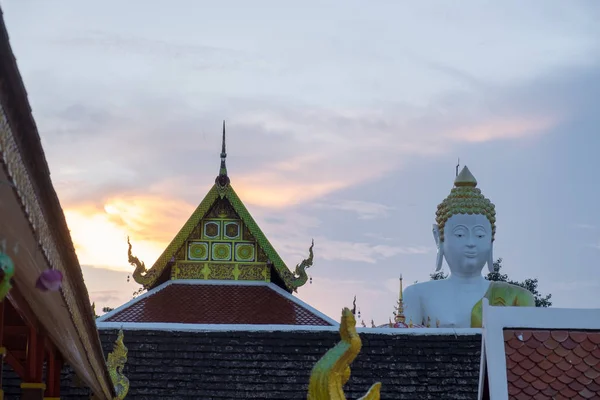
[[140, 273], [116, 363], [332, 371], [300, 276]]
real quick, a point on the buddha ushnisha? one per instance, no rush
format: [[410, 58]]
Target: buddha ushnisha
[[464, 235]]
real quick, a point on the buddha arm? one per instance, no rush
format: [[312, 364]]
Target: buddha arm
[[412, 305], [502, 294]]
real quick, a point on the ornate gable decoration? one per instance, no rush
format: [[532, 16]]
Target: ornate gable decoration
[[221, 241]]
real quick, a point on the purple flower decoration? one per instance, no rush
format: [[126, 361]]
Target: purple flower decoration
[[49, 280]]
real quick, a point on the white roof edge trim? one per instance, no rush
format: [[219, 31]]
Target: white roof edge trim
[[544, 318], [270, 285], [278, 328]]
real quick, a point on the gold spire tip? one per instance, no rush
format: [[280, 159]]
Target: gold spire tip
[[465, 178]]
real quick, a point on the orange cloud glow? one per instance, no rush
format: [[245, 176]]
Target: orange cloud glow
[[503, 129], [100, 233]]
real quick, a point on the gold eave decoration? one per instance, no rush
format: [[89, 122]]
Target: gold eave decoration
[[115, 364], [332, 371], [148, 277]]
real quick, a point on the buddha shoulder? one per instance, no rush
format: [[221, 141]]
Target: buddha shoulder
[[510, 294], [417, 289]]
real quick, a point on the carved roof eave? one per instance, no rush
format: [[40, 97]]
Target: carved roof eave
[[26, 166], [214, 193]]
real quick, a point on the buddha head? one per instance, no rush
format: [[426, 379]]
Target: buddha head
[[465, 228]]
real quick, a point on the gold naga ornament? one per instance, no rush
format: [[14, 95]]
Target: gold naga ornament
[[116, 363], [300, 275], [332, 371]]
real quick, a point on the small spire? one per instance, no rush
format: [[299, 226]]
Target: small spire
[[400, 296], [223, 179], [465, 178], [399, 314]]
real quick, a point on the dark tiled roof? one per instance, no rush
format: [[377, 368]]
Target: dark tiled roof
[[277, 365], [218, 304], [11, 384], [548, 364]]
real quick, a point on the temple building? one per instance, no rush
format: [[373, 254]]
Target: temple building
[[220, 269], [220, 320], [46, 320]]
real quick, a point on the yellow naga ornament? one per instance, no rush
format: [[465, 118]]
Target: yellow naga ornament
[[332, 371], [116, 363]]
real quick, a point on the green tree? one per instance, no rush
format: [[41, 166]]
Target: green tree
[[436, 276], [529, 284]]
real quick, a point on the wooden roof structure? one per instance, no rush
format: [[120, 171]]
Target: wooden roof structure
[[39, 329]]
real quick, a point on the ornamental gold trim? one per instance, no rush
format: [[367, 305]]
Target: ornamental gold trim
[[184, 234], [332, 371], [33, 385], [116, 363]]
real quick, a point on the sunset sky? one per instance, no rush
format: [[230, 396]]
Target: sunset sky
[[345, 121]]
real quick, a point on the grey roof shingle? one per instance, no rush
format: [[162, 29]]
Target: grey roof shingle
[[277, 365]]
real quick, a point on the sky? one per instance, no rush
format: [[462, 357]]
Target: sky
[[345, 120]]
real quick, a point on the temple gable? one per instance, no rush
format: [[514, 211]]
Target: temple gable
[[221, 241], [221, 247]]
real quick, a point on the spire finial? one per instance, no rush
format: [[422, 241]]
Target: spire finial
[[465, 178], [399, 314], [223, 179]]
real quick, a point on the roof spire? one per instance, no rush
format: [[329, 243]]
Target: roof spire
[[399, 314], [223, 179]]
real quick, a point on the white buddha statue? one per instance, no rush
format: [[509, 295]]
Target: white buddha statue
[[464, 235]]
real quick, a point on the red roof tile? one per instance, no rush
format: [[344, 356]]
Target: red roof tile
[[217, 304], [548, 364]]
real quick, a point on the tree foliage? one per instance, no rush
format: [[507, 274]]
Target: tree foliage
[[541, 300]]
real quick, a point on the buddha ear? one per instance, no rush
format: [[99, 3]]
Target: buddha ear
[[490, 262], [440, 248], [436, 235]]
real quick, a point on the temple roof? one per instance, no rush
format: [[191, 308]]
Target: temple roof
[[276, 364], [541, 353], [33, 219], [552, 363], [221, 239], [217, 303]]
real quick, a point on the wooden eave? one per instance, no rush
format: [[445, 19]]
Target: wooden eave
[[41, 229], [209, 200]]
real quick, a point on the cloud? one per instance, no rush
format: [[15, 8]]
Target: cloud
[[364, 252], [330, 295], [364, 209], [595, 245], [575, 285], [585, 226], [100, 229], [105, 296]]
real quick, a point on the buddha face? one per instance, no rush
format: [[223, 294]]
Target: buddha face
[[467, 243]]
